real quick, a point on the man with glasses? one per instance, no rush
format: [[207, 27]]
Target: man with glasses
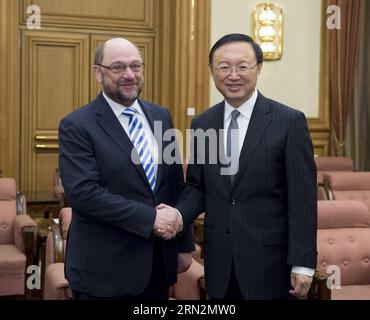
[[260, 219], [111, 175]]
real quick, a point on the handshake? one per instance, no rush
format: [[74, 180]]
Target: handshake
[[168, 222]]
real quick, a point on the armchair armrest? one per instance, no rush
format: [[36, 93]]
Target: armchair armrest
[[57, 243], [29, 240], [23, 224], [56, 285], [319, 289], [53, 249], [187, 286], [25, 235], [327, 189]]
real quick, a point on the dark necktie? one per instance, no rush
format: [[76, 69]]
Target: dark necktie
[[232, 144]]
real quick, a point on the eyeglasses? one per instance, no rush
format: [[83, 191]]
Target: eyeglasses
[[118, 68], [226, 69]]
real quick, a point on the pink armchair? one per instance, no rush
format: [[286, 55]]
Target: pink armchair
[[329, 165], [17, 241], [343, 240], [55, 284], [348, 186], [187, 286]]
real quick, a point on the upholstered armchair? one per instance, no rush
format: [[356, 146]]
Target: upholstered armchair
[[18, 234], [348, 186], [187, 285], [324, 164], [55, 284], [329, 165], [343, 242]]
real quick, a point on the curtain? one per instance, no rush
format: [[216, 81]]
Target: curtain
[[357, 141], [343, 57]]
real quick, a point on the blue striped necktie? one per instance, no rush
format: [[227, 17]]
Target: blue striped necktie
[[140, 142]]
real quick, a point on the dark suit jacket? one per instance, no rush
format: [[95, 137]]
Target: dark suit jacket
[[266, 221], [110, 243]]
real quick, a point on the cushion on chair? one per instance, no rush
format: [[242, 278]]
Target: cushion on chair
[[187, 287], [342, 214], [8, 209], [8, 213], [334, 164], [345, 181], [8, 189], [321, 174], [350, 186], [359, 195], [347, 248], [351, 293], [55, 282], [343, 240], [12, 266]]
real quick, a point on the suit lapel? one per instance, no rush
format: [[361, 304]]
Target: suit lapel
[[110, 124], [261, 117]]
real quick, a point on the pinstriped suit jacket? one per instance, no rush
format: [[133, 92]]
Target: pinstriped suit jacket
[[265, 222]]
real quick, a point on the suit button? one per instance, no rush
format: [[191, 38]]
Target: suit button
[[228, 232], [233, 202]]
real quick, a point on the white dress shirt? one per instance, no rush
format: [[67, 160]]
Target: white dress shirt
[[243, 119]]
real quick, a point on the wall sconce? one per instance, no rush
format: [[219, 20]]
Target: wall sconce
[[268, 29]]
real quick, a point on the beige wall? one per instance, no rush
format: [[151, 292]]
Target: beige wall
[[293, 80]]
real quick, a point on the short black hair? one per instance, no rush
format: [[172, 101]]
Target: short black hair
[[237, 37]]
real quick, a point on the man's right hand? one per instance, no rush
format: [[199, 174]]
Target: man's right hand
[[167, 222]]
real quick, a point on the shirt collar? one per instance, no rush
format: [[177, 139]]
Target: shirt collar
[[118, 108], [245, 109]]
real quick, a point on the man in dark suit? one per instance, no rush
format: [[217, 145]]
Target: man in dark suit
[[260, 218], [111, 174]]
